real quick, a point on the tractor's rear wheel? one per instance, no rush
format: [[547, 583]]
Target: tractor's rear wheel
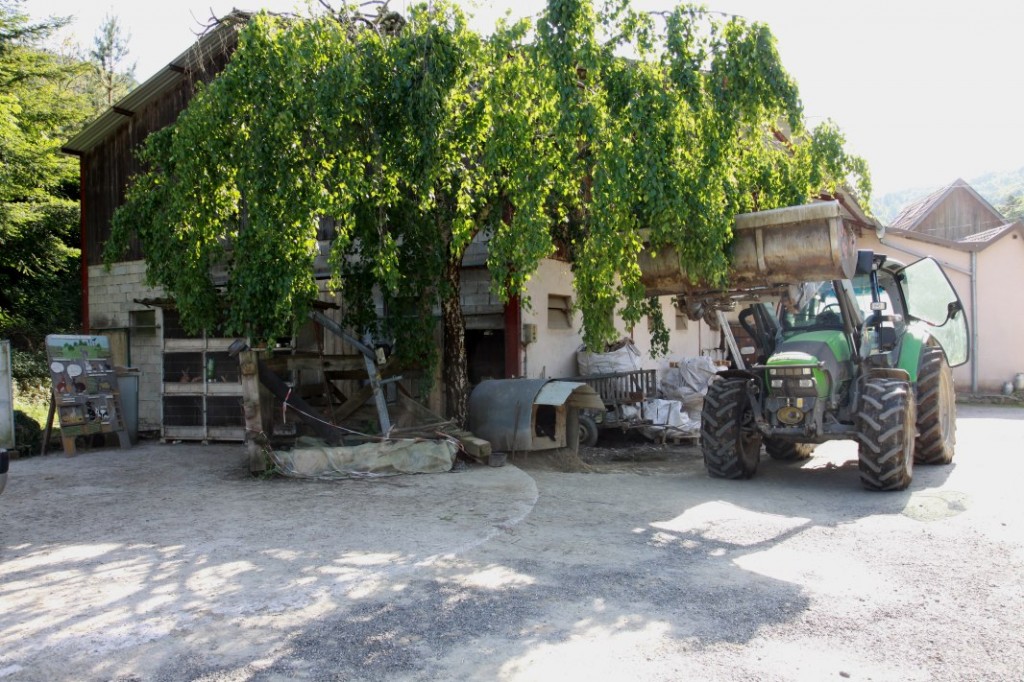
[[886, 424], [936, 409], [729, 440], [788, 451]]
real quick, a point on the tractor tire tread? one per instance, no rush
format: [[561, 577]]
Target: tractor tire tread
[[886, 438], [720, 429], [936, 439]]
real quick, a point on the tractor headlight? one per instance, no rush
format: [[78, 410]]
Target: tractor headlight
[[789, 371], [792, 381]]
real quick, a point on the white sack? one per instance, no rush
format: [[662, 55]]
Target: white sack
[[689, 379], [625, 359], [668, 420]]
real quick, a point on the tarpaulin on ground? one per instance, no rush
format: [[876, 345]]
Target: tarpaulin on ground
[[311, 458]]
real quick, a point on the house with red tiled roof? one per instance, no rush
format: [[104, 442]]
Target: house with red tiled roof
[[983, 255]]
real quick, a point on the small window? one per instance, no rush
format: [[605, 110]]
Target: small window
[[559, 312], [142, 322], [682, 321]]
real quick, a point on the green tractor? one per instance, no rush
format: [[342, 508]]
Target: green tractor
[[865, 358]]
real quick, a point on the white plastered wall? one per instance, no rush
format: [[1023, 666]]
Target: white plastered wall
[[554, 352], [1000, 319]]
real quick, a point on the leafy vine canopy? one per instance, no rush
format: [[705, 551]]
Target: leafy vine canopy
[[598, 130]]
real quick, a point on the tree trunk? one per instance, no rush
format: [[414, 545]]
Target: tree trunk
[[454, 373]]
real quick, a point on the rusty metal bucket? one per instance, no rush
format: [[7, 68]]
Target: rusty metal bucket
[[770, 248]]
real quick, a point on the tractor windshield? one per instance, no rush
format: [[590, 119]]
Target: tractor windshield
[[892, 306], [821, 311]]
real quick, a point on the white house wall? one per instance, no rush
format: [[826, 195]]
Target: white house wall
[[554, 352], [1000, 323]]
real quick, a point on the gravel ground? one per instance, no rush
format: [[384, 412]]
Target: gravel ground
[[167, 562]]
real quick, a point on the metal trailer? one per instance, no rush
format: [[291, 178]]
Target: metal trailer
[[618, 391]]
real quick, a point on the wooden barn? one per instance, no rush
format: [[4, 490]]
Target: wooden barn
[[117, 303], [952, 213]]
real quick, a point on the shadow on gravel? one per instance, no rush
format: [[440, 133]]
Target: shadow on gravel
[[603, 564], [683, 579], [439, 630], [165, 561]]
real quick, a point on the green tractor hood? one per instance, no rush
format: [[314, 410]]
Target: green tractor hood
[[826, 353]]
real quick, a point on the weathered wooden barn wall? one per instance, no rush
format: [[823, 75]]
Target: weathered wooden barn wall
[[107, 169], [957, 216]]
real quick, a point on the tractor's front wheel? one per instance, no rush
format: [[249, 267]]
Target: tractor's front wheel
[[936, 409], [729, 440], [886, 424], [788, 451]]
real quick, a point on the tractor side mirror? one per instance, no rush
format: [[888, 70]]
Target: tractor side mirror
[[953, 309], [865, 261]]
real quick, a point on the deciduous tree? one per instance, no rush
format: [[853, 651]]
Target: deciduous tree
[[590, 131], [39, 270], [1012, 207]]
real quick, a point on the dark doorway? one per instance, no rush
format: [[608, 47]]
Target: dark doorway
[[485, 354]]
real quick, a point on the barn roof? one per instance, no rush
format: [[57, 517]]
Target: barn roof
[[912, 215], [222, 37]]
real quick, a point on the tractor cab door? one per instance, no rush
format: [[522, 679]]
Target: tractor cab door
[[931, 299]]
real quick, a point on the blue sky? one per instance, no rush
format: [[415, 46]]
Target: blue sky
[[926, 90]]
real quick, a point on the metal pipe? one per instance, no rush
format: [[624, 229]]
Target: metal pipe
[[974, 322]]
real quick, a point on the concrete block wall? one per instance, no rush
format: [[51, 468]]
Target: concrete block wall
[[476, 296], [112, 296]]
